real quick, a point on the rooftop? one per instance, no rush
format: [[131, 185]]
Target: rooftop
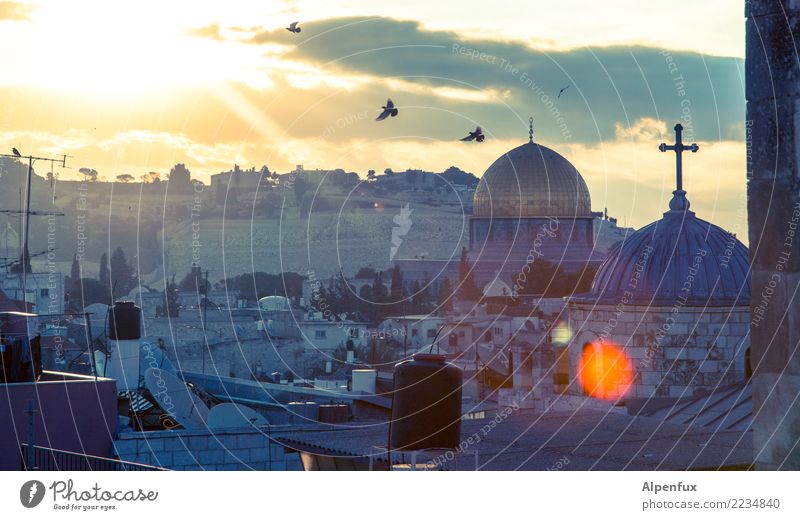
[[584, 440]]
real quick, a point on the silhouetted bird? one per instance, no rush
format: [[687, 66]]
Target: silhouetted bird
[[388, 110], [477, 135], [561, 92], [16, 152], [293, 27]]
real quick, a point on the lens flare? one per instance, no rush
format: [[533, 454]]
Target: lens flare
[[605, 371]]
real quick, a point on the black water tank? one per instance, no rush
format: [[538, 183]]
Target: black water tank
[[124, 321], [426, 404]]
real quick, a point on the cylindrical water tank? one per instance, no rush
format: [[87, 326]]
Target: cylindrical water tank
[[426, 404], [124, 331], [124, 321]]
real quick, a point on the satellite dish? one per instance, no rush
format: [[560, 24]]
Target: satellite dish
[[232, 415], [177, 399], [530, 326]]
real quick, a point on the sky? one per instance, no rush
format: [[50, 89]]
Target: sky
[[135, 89]]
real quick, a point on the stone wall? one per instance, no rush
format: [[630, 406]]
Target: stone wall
[[772, 88], [227, 450], [673, 354]]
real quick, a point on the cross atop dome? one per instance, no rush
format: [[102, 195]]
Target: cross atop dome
[[679, 201]]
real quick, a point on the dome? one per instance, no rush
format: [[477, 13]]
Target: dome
[[273, 303], [677, 260], [496, 289], [531, 181]]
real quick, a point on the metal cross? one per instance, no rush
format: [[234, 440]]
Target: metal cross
[[678, 148]]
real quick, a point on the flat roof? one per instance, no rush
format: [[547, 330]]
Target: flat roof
[[585, 440]]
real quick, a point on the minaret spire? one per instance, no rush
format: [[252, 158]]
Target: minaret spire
[[530, 129]]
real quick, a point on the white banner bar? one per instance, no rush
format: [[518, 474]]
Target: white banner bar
[[356, 495]]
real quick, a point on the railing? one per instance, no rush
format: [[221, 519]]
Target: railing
[[49, 459]]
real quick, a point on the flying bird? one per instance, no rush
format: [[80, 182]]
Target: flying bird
[[388, 110], [293, 28], [561, 92], [16, 152], [477, 135]]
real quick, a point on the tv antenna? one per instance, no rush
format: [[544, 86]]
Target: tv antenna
[[24, 256]]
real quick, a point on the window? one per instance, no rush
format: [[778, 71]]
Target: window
[[44, 293], [498, 332], [414, 332], [452, 340], [320, 334], [353, 333], [431, 333]]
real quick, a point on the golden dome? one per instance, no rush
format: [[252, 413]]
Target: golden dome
[[531, 181]]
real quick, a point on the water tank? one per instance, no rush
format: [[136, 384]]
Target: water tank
[[426, 404], [124, 331], [364, 380], [124, 321]]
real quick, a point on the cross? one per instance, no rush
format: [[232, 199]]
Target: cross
[[678, 148]]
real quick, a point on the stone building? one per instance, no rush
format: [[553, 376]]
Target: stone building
[[674, 298]]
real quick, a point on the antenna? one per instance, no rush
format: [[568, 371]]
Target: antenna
[[25, 258]]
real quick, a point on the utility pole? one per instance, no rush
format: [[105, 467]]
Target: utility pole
[[29, 460], [205, 309]]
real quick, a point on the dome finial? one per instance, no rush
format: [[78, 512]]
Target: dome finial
[[679, 201], [530, 129]]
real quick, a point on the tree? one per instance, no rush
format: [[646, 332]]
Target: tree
[[300, 187], [171, 307], [87, 291], [396, 290], [445, 298], [193, 281], [122, 277], [125, 177], [467, 289], [371, 175], [89, 173], [180, 179], [458, 176], [378, 290], [104, 278], [75, 270]]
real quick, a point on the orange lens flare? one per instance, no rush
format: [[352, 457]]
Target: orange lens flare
[[605, 371]]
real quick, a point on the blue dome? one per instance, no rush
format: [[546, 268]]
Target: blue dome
[[679, 259]]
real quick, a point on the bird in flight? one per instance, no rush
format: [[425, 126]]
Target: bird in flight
[[293, 27], [388, 110], [561, 92], [477, 135], [16, 152]]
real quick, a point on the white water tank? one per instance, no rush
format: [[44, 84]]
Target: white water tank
[[124, 334], [364, 380]]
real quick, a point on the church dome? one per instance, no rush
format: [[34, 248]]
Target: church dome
[[677, 260], [531, 181]]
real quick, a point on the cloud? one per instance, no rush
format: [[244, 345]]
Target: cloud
[[209, 31], [612, 86], [15, 11]]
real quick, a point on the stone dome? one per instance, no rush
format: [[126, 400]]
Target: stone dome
[[531, 181], [679, 259]]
